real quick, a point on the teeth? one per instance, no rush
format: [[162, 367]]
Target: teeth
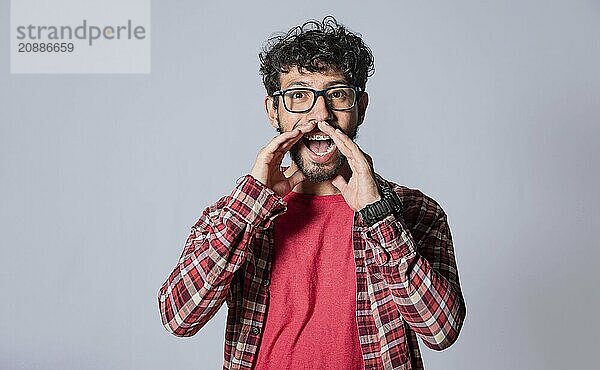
[[317, 137], [329, 150]]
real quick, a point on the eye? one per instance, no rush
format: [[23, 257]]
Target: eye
[[297, 94], [338, 94]]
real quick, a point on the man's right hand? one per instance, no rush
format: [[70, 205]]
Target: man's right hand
[[267, 168]]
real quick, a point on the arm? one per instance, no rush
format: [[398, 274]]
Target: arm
[[422, 275], [215, 249], [218, 243]]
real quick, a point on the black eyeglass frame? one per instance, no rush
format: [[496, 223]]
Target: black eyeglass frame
[[316, 93]]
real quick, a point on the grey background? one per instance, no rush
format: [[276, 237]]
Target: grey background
[[490, 107]]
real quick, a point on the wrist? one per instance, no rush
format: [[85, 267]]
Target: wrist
[[373, 199], [389, 203], [259, 177]]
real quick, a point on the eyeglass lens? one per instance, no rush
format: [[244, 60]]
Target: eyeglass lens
[[299, 100]]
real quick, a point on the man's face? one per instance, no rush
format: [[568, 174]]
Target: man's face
[[319, 160]]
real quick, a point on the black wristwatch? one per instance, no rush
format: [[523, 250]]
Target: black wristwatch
[[389, 203]]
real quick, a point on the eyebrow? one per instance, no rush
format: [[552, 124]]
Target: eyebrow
[[306, 84]]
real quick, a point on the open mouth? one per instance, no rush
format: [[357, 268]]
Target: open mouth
[[319, 144]]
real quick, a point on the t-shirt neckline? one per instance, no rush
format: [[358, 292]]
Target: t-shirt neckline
[[331, 198]]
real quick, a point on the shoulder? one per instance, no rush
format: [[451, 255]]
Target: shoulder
[[420, 210]]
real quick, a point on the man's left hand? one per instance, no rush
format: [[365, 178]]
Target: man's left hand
[[361, 188]]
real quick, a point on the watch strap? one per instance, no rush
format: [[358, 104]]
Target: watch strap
[[389, 203]]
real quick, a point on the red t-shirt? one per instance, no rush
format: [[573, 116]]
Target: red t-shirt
[[311, 318]]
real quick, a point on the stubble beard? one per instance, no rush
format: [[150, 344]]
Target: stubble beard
[[316, 172], [319, 172]]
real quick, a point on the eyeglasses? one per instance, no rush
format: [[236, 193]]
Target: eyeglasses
[[303, 99]]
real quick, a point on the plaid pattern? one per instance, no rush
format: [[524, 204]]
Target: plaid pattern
[[407, 279]]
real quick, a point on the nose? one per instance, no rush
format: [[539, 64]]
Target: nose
[[321, 111]]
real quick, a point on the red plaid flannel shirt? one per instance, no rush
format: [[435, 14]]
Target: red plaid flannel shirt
[[406, 275]]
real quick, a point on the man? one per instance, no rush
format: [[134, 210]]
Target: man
[[323, 264]]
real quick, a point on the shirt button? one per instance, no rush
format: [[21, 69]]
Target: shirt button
[[255, 330], [266, 282]]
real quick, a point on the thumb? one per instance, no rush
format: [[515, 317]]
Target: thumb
[[340, 183], [296, 178]]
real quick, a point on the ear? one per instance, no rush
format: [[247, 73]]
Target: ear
[[271, 111], [363, 101]]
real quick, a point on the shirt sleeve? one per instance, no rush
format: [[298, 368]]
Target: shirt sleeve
[[215, 249], [422, 276]]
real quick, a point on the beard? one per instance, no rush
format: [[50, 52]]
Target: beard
[[319, 172], [316, 172]]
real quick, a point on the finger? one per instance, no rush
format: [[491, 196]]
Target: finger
[[326, 128], [339, 182], [369, 160], [288, 172], [329, 130], [276, 160], [296, 178], [286, 146], [368, 157], [307, 126], [341, 145], [359, 157], [350, 144], [282, 138], [275, 144], [303, 128]]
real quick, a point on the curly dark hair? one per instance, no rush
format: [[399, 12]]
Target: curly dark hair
[[316, 46]]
